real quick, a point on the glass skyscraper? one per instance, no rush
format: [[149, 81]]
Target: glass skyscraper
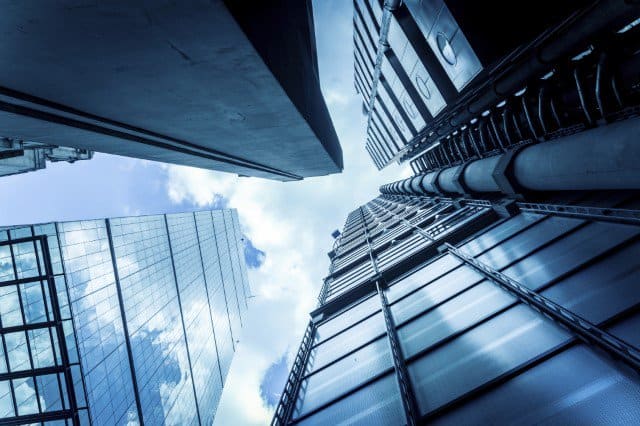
[[128, 320], [465, 311]]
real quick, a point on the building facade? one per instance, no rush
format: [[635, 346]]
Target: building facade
[[443, 81], [130, 320], [230, 86], [21, 157], [466, 311]]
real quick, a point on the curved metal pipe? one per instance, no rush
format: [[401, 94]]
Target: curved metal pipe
[[603, 158]]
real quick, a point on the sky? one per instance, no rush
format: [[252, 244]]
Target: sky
[[288, 225]]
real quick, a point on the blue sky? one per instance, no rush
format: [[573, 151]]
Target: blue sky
[[288, 225]]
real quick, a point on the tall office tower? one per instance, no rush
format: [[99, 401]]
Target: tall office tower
[[222, 85], [444, 81], [21, 157], [128, 320], [465, 311]]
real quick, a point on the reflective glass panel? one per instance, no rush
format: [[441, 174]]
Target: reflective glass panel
[[421, 277], [49, 392], [603, 288], [575, 387], [527, 241], [568, 253], [41, 351], [33, 302], [344, 375], [17, 351], [10, 312], [25, 258], [463, 311], [436, 292], [344, 320], [481, 354], [346, 341], [25, 396], [376, 404], [6, 401], [499, 233], [6, 264]]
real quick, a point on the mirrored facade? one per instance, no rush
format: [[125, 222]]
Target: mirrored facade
[[468, 311], [120, 321]]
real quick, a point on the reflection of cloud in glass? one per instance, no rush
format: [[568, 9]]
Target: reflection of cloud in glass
[[92, 290], [25, 260], [10, 306], [6, 403], [164, 339], [6, 265], [25, 396]]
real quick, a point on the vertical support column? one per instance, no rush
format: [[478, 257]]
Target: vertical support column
[[125, 326], [406, 390], [57, 319], [287, 401]]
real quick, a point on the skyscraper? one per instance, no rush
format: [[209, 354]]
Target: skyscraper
[[230, 86], [498, 284], [128, 320], [446, 80], [466, 311]]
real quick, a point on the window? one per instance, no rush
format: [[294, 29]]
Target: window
[[347, 341], [376, 404], [457, 314], [344, 375], [481, 354]]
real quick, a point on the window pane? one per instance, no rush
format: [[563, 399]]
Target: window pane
[[3, 363], [6, 264], [41, 351], [421, 277], [465, 310], [6, 402], [481, 354], [10, 306], [351, 316], [603, 289], [434, 293], [17, 233], [32, 300], [377, 404], [17, 351], [344, 375], [25, 257], [527, 241], [347, 341], [78, 386], [499, 233], [49, 392], [25, 396], [627, 330], [63, 300], [568, 253], [575, 387], [70, 340]]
